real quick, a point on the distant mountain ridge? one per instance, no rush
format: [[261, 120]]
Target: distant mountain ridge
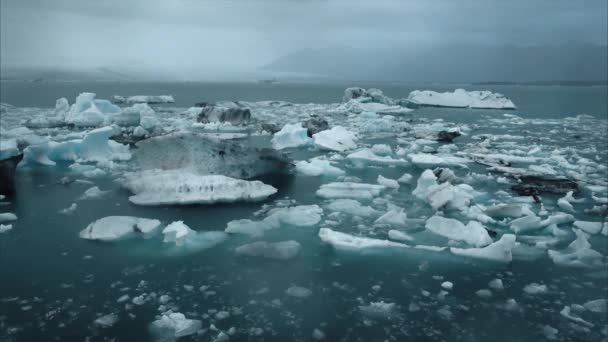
[[454, 64]]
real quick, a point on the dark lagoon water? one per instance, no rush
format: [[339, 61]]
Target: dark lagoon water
[[54, 285]]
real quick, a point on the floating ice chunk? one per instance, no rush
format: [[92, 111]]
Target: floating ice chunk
[[399, 235], [473, 233], [62, 106], [247, 227], [500, 250], [394, 217], [347, 242], [111, 228], [5, 228], [535, 289], [69, 210], [298, 292], [318, 167], [425, 160], [564, 204], [129, 116], [367, 157], [380, 310], [283, 250], [387, 182], [504, 210], [299, 216], [484, 293], [351, 207], [318, 335], [291, 135], [405, 179], [558, 219], [177, 232], [162, 187], [172, 326], [349, 190], [439, 195], [598, 306], [7, 217], [448, 285], [568, 314], [106, 321], [93, 192], [496, 284], [526, 224], [382, 150], [89, 112], [578, 254], [589, 227], [549, 332], [461, 98], [335, 139]]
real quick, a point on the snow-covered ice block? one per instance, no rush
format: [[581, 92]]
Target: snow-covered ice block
[[500, 250], [111, 228], [318, 167], [347, 242], [473, 233], [461, 98], [349, 190], [162, 187], [337, 139], [291, 135], [283, 250]]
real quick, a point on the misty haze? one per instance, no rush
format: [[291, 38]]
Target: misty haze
[[286, 170]]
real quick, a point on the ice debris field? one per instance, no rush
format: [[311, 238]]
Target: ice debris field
[[359, 220]]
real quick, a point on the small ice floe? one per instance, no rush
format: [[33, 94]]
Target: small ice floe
[[69, 210], [500, 251], [297, 216], [171, 326], [496, 284], [387, 182], [589, 227], [111, 228], [351, 243], [291, 135], [366, 157], [298, 292], [283, 250], [448, 285], [473, 233], [318, 335], [93, 193], [182, 236], [106, 321], [526, 224], [380, 310], [162, 187], [5, 228], [405, 179], [360, 191], [599, 306], [535, 289], [567, 313], [336, 139], [505, 211], [578, 253], [351, 207], [7, 217], [484, 293], [425, 160], [394, 217], [318, 167], [460, 98], [398, 235]]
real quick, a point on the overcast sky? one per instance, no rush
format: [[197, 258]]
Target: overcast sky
[[180, 35]]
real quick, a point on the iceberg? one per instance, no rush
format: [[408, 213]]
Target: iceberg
[[440, 195], [143, 99], [349, 190], [500, 250], [7, 217], [351, 207], [578, 254], [425, 160], [318, 167], [460, 98], [158, 187], [291, 135], [283, 250], [90, 112], [351, 243], [473, 233], [366, 157], [112, 228], [336, 139]]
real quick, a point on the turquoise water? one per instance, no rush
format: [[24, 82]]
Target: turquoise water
[[53, 284]]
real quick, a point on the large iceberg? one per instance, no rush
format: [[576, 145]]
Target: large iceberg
[[460, 98], [291, 135], [90, 112], [111, 228], [162, 187], [337, 139]]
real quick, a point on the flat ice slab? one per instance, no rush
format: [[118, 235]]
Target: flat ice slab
[[111, 228], [158, 187], [461, 98]]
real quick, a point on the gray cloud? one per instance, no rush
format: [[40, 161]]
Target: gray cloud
[[184, 35]]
